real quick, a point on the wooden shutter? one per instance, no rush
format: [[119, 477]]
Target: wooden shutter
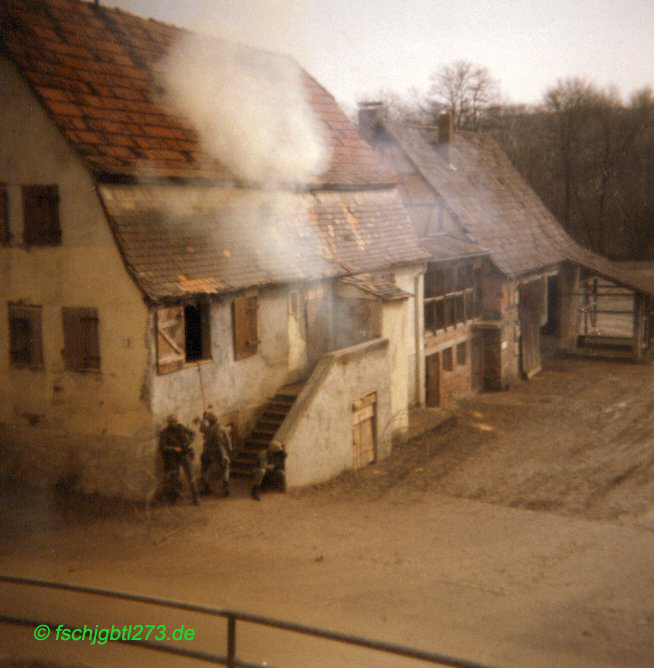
[[171, 353], [245, 327], [5, 234], [26, 346], [41, 215], [81, 339]]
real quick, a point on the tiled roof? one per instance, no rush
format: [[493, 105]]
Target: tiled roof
[[376, 285], [184, 240], [497, 207], [447, 246], [94, 70]]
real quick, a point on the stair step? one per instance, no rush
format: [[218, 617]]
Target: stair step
[[263, 434], [257, 443], [273, 416], [284, 399]]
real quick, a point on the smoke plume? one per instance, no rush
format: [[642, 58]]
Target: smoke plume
[[248, 105]]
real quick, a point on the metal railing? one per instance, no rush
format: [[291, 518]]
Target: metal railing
[[232, 617]]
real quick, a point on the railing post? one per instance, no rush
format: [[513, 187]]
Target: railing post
[[231, 641]]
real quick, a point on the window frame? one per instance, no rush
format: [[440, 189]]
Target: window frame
[[451, 297]]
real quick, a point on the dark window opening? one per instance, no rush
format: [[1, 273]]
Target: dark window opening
[[41, 216], [5, 233], [25, 347], [197, 337], [448, 360]]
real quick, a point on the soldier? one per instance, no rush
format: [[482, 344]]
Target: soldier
[[217, 448], [269, 461], [174, 442]]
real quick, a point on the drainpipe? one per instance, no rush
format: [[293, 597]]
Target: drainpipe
[[420, 338]]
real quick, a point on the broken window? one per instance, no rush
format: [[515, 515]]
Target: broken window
[[244, 312], [25, 346], [81, 339], [41, 216], [5, 232]]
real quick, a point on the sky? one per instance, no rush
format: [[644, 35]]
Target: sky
[[357, 47]]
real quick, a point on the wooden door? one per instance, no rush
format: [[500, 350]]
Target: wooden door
[[363, 431], [477, 363], [433, 379]]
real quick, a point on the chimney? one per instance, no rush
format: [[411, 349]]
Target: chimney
[[370, 113], [445, 133]]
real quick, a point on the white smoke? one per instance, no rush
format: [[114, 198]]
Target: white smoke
[[248, 106]]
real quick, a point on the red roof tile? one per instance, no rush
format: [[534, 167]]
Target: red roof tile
[[97, 65], [181, 240]]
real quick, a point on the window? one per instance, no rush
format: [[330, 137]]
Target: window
[[5, 232], [41, 216], [183, 335], [451, 296], [197, 334], [448, 360], [244, 312], [25, 347], [461, 354], [81, 342]]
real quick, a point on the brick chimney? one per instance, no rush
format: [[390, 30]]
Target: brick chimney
[[370, 113], [445, 133]]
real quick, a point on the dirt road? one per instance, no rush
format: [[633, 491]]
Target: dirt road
[[522, 535]]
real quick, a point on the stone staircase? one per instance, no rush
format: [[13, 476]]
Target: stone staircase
[[245, 460]]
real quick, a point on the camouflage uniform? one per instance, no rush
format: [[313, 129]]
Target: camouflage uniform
[[174, 443], [217, 448], [268, 461]]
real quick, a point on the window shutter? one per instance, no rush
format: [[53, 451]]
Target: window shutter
[[81, 343], [245, 327], [89, 337], [41, 215], [25, 344], [5, 234], [171, 352]]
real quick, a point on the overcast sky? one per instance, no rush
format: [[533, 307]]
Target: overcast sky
[[356, 47]]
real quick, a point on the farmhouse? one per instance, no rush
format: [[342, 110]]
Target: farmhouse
[[511, 270], [142, 276]]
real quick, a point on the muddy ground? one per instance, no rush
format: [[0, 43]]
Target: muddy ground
[[520, 534]]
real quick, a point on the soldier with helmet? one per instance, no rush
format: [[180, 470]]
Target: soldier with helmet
[[217, 450], [175, 446], [270, 462]]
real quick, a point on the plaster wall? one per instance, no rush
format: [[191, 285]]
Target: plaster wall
[[317, 433], [69, 411], [230, 385]]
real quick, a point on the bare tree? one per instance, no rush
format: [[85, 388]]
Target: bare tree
[[466, 90]]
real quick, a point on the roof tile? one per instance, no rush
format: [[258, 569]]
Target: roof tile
[[109, 57]]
